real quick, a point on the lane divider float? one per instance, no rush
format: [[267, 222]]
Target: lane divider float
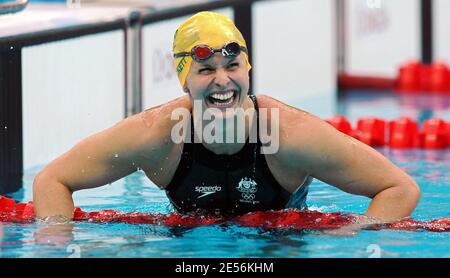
[[282, 219], [403, 132]]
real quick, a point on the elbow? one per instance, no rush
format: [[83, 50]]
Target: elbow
[[410, 193], [39, 184], [38, 181], [51, 197], [44, 182], [414, 191], [41, 178]]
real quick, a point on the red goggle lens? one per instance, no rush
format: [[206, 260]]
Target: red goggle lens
[[202, 52]]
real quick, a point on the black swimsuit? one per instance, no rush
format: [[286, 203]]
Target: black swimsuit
[[235, 184]]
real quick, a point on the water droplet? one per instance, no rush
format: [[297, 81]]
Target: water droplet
[[116, 155], [6, 127], [12, 47], [133, 164], [154, 173]]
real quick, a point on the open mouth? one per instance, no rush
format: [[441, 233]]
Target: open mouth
[[223, 99]]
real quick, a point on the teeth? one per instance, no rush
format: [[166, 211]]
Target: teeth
[[222, 96], [224, 103]]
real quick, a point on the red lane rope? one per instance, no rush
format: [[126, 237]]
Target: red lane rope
[[283, 219], [400, 133], [376, 83], [412, 77]]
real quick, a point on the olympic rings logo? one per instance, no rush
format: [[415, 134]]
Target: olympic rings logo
[[248, 196]]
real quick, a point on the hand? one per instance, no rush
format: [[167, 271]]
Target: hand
[[360, 222], [59, 235]]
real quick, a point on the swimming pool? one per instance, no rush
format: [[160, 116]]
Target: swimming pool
[[429, 168]]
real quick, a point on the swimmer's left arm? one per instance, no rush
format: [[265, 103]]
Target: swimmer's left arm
[[348, 164]]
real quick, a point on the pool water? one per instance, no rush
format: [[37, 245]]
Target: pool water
[[429, 168]]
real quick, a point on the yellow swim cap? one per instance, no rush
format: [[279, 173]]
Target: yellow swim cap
[[208, 28]]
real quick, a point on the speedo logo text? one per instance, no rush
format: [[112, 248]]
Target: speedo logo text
[[207, 190]]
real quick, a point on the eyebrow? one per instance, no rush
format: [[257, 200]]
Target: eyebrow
[[201, 66]]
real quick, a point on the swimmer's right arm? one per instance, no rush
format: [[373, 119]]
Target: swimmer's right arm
[[95, 161]]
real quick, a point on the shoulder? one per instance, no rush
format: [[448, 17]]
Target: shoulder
[[164, 111], [300, 132], [180, 102], [265, 101], [160, 118], [151, 127], [150, 132], [289, 116]]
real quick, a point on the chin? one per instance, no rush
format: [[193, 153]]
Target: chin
[[221, 114]]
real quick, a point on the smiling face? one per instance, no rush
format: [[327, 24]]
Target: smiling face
[[219, 82]]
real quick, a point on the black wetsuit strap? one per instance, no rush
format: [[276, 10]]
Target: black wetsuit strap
[[255, 102], [257, 147]]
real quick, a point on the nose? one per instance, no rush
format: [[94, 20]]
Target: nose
[[221, 78]]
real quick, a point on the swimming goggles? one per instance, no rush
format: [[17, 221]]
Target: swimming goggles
[[203, 52]]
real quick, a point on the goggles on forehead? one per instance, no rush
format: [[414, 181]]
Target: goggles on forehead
[[203, 52]]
